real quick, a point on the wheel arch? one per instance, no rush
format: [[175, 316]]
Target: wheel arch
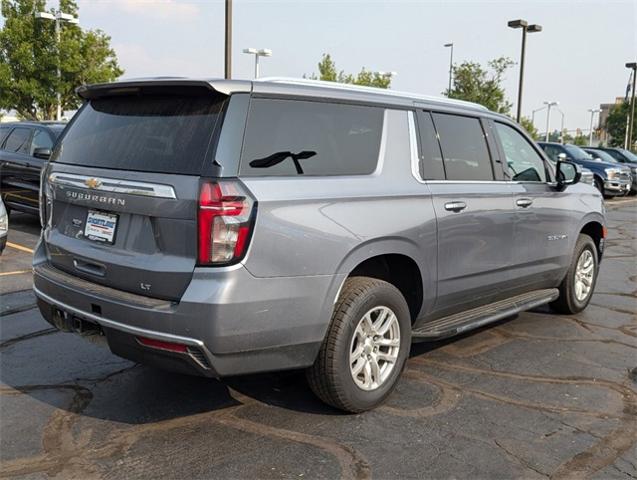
[[399, 262]]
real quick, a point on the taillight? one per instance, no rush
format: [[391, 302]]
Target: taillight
[[225, 222]]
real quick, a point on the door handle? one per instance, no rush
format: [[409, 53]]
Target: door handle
[[524, 202], [455, 206]]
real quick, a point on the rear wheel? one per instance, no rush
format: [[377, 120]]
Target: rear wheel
[[365, 348], [578, 285]]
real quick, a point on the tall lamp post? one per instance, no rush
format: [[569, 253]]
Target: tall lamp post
[[58, 18], [263, 52], [593, 111], [450, 45], [526, 28], [534, 112], [633, 66], [227, 62], [548, 117], [561, 125]]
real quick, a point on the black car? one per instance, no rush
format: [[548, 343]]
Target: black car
[[24, 148]]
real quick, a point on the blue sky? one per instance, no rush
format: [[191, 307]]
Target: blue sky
[[577, 60]]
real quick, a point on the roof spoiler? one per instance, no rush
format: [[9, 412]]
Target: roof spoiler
[[162, 85]]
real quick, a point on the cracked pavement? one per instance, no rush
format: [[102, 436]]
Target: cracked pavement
[[537, 395]]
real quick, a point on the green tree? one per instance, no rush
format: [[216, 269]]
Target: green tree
[[328, 72], [580, 140], [475, 83], [616, 124], [527, 124], [29, 58]]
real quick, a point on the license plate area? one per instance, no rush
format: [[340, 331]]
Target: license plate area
[[100, 226]]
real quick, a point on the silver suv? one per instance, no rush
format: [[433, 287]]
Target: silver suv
[[228, 227]]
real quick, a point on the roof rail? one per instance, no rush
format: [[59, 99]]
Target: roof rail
[[372, 90]]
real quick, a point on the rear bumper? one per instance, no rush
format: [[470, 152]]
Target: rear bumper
[[231, 322]]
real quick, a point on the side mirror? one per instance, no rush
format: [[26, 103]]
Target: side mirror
[[43, 153], [562, 157], [568, 173]]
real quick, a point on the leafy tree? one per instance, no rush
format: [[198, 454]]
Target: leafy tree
[[29, 59], [616, 124], [580, 140], [328, 72], [475, 83], [527, 124]]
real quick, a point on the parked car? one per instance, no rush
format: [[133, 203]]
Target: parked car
[[24, 148], [620, 154], [611, 179], [231, 227], [4, 226], [605, 156]]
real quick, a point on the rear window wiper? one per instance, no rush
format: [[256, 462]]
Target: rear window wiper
[[278, 157]]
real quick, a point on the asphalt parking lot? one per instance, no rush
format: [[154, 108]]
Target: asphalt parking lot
[[537, 395]]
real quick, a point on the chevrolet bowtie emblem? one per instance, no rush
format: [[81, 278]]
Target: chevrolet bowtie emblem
[[92, 183]]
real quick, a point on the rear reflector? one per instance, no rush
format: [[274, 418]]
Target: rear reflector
[[161, 345], [224, 222]]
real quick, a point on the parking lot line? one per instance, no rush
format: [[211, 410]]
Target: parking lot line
[[19, 247], [16, 272]]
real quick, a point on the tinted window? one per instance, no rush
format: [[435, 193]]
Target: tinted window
[[576, 152], [552, 151], [18, 140], [288, 137], [41, 139], [431, 157], [464, 147], [152, 133], [524, 163], [3, 133]]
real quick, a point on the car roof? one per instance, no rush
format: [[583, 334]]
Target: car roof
[[45, 123], [298, 87]]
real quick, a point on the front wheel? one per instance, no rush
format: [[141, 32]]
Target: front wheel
[[365, 348], [577, 287]]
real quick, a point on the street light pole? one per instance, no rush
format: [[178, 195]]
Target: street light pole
[[534, 112], [632, 66], [590, 135], [228, 42], [58, 18], [263, 52], [523, 24], [450, 45], [548, 117], [561, 125]]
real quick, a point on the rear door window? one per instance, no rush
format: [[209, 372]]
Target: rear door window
[[431, 156], [292, 137], [4, 131], [464, 147], [148, 133], [18, 140]]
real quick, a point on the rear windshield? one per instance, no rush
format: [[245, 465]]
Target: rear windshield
[[149, 133]]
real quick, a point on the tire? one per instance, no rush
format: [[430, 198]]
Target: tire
[[331, 377], [570, 301]]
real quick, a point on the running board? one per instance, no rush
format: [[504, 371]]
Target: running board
[[477, 317]]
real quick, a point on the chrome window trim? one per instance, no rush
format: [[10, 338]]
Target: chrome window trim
[[113, 185], [413, 148]]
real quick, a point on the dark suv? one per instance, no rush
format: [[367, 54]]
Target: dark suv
[[225, 227], [611, 178], [24, 148]]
